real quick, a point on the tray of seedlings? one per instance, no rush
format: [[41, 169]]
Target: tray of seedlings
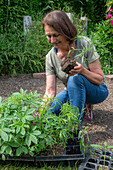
[[97, 159], [31, 134]]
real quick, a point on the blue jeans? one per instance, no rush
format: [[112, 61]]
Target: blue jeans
[[79, 91]]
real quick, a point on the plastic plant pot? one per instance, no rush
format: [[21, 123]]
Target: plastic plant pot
[[97, 159]]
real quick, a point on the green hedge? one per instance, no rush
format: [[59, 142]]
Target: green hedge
[[23, 53], [20, 53], [102, 37]]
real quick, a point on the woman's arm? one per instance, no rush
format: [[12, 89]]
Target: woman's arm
[[50, 86], [94, 75], [50, 92]]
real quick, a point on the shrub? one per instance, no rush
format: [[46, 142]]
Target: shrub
[[22, 53], [102, 37]]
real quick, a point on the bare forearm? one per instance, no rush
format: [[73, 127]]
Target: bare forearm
[[50, 90], [93, 77]]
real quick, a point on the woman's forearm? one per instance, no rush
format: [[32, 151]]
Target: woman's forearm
[[93, 77]]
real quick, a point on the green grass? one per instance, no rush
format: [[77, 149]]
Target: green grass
[[25, 167]]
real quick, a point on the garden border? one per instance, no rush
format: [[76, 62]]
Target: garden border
[[43, 74]]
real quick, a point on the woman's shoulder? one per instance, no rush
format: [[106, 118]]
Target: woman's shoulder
[[83, 41], [51, 52]]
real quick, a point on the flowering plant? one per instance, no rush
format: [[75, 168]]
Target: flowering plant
[[110, 16]]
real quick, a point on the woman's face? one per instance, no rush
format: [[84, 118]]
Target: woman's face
[[55, 38]]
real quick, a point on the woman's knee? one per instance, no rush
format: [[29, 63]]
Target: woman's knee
[[77, 79]]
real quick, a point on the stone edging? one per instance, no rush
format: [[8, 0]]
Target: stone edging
[[109, 77], [38, 75]]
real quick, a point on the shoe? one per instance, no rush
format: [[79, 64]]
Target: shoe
[[88, 115]]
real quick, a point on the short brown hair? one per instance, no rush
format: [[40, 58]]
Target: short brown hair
[[61, 23]]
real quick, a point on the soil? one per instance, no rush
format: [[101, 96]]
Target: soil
[[68, 64], [100, 128]]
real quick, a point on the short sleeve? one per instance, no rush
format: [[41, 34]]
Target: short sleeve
[[91, 53], [49, 65]]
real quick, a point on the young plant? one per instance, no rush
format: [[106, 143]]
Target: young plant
[[26, 129], [105, 149]]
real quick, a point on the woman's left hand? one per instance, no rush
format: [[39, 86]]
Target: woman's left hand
[[78, 69], [94, 74]]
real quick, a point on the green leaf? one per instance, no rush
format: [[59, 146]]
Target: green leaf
[[25, 150], [33, 139], [26, 126], [23, 131], [41, 136], [9, 150], [34, 127], [21, 90], [16, 93], [79, 135], [13, 144], [14, 107], [110, 147], [3, 148], [24, 108], [36, 133], [17, 129], [31, 153], [29, 118], [105, 144], [19, 151], [97, 146], [28, 140], [4, 136], [3, 157], [30, 111], [7, 130]]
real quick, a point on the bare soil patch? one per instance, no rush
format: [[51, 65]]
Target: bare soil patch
[[100, 129]]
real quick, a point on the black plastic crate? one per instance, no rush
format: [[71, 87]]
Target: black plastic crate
[[97, 158], [72, 153]]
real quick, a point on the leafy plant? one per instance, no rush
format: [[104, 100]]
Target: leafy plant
[[27, 129], [102, 39], [109, 4], [22, 53]]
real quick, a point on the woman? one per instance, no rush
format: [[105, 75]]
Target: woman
[[85, 82]]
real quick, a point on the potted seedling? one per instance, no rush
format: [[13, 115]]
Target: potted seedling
[[68, 63]]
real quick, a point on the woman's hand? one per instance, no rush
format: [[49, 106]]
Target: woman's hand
[[94, 75], [78, 69]]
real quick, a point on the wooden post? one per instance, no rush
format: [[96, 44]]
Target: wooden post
[[27, 23], [86, 23]]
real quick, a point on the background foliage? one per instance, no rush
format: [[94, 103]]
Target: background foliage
[[102, 37], [20, 53]]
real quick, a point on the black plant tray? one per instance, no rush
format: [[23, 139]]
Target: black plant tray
[[72, 153], [97, 158]]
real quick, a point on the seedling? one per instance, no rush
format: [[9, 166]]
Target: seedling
[[27, 129], [106, 156]]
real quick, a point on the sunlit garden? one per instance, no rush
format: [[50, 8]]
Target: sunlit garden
[[33, 138]]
